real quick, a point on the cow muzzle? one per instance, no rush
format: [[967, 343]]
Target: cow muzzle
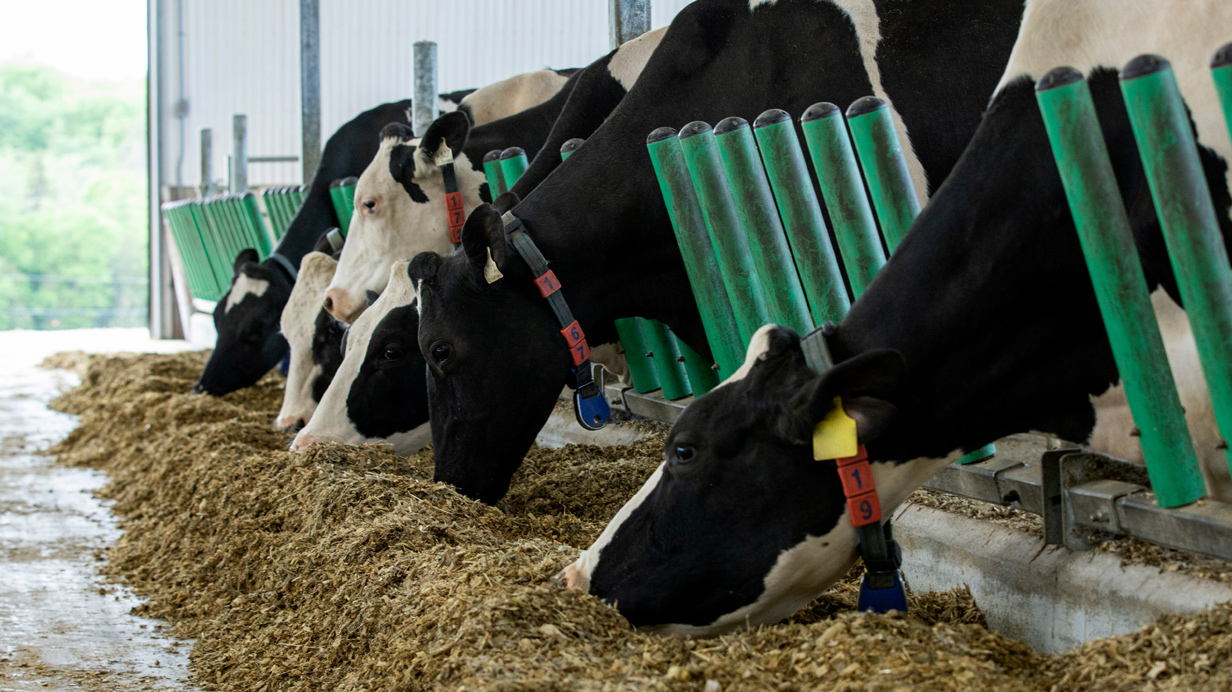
[[343, 306], [303, 442], [295, 423]]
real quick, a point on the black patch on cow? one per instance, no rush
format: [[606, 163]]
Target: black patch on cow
[[485, 193], [402, 162], [327, 335], [388, 395]]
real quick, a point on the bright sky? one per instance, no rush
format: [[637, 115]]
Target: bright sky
[[91, 39]]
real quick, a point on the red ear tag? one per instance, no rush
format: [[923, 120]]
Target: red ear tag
[[547, 283], [580, 352]]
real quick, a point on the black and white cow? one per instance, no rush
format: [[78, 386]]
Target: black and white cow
[[378, 393], [315, 340], [400, 205], [513, 95], [983, 324], [496, 358], [247, 317], [368, 402]]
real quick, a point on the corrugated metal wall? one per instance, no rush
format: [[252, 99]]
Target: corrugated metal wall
[[242, 56]]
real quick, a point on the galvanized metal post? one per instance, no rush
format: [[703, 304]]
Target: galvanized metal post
[[1221, 72], [1120, 285], [627, 19], [759, 217], [423, 103], [723, 222], [696, 250], [1187, 216], [207, 162], [310, 86], [855, 229], [492, 171], [239, 155], [800, 211], [513, 164], [885, 168]]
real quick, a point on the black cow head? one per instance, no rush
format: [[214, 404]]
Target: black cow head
[[485, 330], [740, 525], [378, 393], [246, 318]]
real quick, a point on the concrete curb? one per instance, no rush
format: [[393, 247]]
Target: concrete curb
[[1049, 597]]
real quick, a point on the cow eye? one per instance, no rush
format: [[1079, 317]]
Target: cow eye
[[683, 452], [441, 353], [394, 352]]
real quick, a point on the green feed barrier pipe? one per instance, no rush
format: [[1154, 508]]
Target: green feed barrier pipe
[[759, 217], [628, 329], [348, 198], [723, 223], [1187, 216], [513, 164], [1221, 72], [641, 368], [855, 229], [885, 168], [700, 262], [1120, 285], [492, 171], [702, 377], [801, 214], [667, 360]]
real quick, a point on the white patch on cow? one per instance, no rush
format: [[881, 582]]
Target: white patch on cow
[[577, 574], [399, 228], [1085, 34], [332, 420], [804, 571], [445, 106], [513, 95], [758, 345], [1113, 421], [631, 57], [298, 324], [242, 287]]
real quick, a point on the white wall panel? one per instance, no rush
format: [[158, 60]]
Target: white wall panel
[[242, 56]]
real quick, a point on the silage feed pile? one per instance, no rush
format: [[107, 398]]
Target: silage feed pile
[[348, 568]]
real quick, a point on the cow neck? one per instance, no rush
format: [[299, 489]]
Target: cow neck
[[989, 300]]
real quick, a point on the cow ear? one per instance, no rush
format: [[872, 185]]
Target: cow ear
[[505, 202], [423, 267], [448, 130], [485, 244], [867, 384], [246, 255]]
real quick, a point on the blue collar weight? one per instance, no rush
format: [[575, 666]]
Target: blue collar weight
[[589, 406]]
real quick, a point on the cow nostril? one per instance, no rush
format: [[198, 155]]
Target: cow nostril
[[370, 204], [299, 424], [329, 304]]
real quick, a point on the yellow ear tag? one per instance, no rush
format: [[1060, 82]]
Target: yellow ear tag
[[490, 272], [835, 436]]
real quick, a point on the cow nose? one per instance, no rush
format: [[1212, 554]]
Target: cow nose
[[302, 442], [336, 303], [575, 578], [295, 423], [198, 388]]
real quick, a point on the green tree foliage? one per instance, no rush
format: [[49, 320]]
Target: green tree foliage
[[72, 201]]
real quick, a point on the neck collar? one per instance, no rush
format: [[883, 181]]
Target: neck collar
[[285, 264], [454, 211], [589, 406]]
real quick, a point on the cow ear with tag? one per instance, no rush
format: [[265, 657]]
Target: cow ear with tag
[[866, 383], [450, 130], [485, 245], [246, 256]]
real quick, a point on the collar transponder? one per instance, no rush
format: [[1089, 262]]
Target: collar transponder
[[589, 406]]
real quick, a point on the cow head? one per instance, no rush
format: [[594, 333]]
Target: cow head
[[740, 525], [246, 318], [483, 340], [400, 209], [378, 393], [315, 340]]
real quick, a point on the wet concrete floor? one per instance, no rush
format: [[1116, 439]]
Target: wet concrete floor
[[63, 626]]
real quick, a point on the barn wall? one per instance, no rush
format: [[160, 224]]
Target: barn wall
[[242, 56]]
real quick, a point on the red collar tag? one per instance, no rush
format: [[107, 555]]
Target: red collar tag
[[455, 214], [858, 486]]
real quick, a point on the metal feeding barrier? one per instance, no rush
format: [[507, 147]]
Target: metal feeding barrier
[[756, 250]]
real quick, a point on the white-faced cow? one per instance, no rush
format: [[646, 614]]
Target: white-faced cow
[[983, 324], [378, 394], [315, 339], [495, 353], [400, 198], [247, 317]]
